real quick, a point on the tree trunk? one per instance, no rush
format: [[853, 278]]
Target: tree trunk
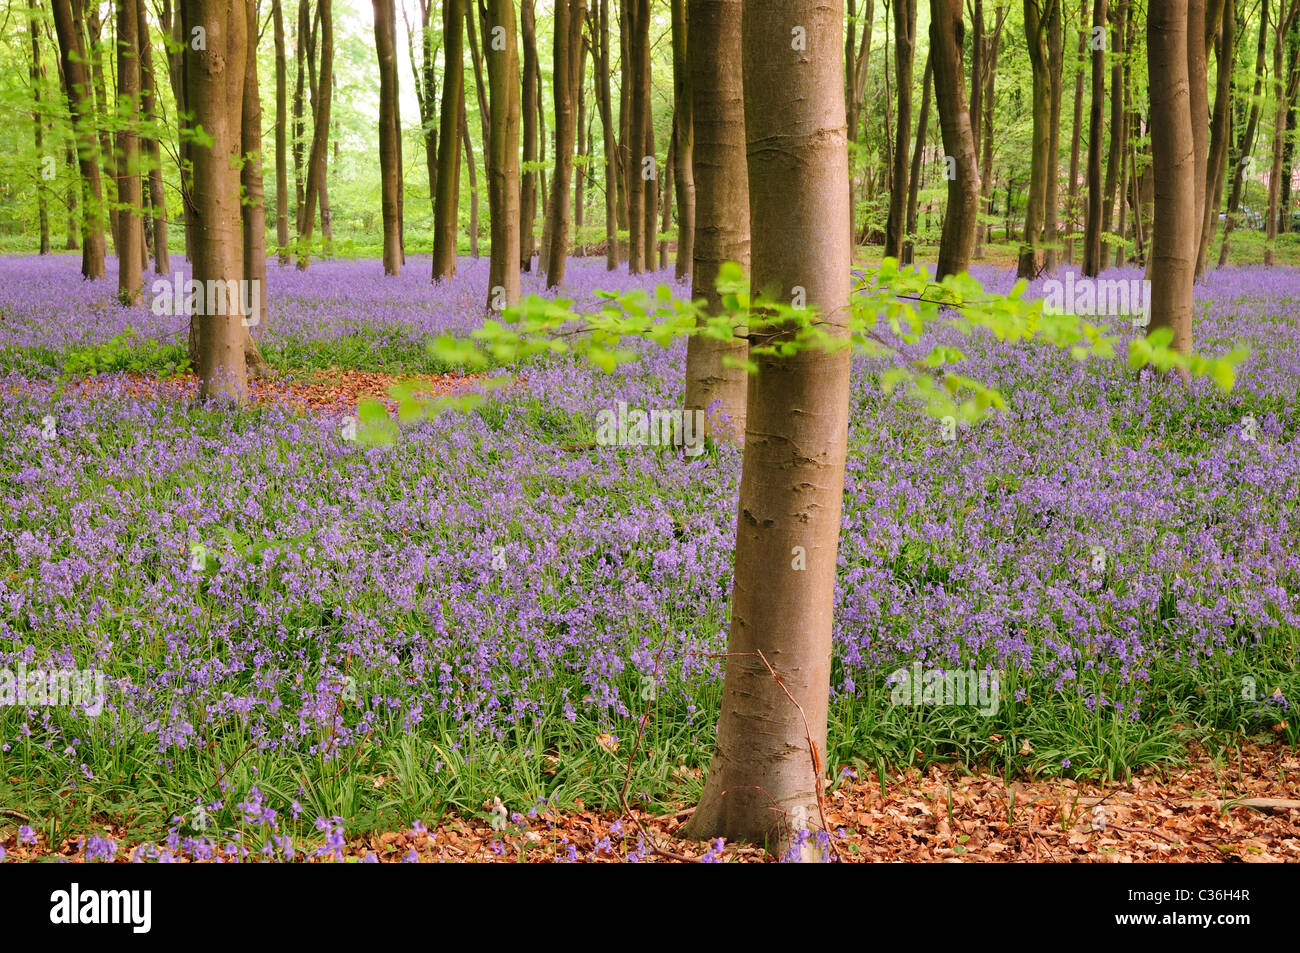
[[1173, 238], [253, 204], [473, 180], [918, 155], [389, 137], [453, 94], [684, 142], [855, 89], [1040, 166], [1225, 58], [582, 147], [990, 67], [715, 383], [281, 164], [501, 48], [1115, 154], [37, 74], [1285, 81], [611, 182], [958, 239], [300, 55], [904, 54], [1072, 198], [763, 783], [529, 106], [214, 81], [1246, 140], [568, 37], [1092, 260], [130, 264], [72, 54], [107, 156], [319, 140], [150, 147], [1052, 196], [253, 199], [639, 174], [1199, 104]]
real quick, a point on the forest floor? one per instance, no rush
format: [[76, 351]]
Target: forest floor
[[1239, 805]]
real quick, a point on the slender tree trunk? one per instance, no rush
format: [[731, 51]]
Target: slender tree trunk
[[583, 148], [639, 175], [529, 107], [214, 79], [918, 155], [130, 264], [320, 137], [107, 154], [683, 142], [602, 72], [1246, 141], [855, 90], [389, 141], [473, 181], [1224, 55], [1040, 167], [763, 782], [1173, 238], [1072, 199], [300, 55], [1052, 196], [453, 94], [72, 53], [253, 198], [988, 100], [72, 228], [1199, 105], [501, 46], [958, 237], [281, 128], [568, 37], [904, 55], [1115, 155], [36, 75], [150, 148], [1092, 260], [1285, 81]]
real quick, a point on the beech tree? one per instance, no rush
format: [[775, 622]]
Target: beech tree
[[530, 107], [389, 134], [683, 157], [1038, 14], [446, 211], [600, 54], [1224, 41], [1246, 138], [320, 137], [1092, 237], [946, 39], [130, 264], [762, 784], [214, 68], [715, 378], [904, 54], [569, 17], [281, 135], [1286, 82], [72, 54], [1174, 237], [501, 47], [150, 148]]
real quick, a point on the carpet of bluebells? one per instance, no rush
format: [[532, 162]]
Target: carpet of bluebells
[[487, 607]]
